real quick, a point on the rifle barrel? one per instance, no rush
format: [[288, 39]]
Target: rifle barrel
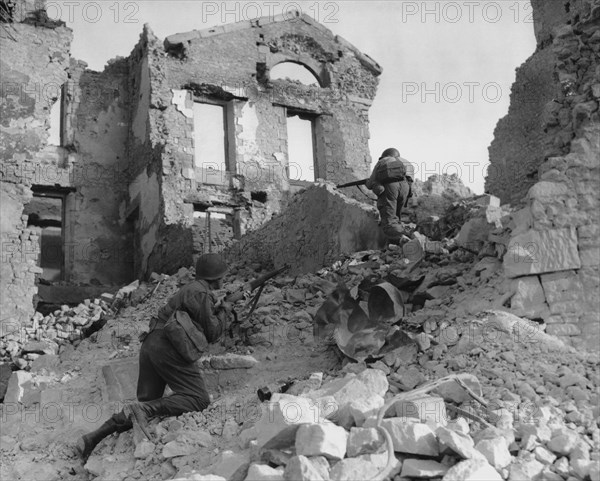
[[364, 181], [236, 296], [350, 184]]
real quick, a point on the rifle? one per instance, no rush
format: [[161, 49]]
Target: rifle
[[259, 282], [364, 181]]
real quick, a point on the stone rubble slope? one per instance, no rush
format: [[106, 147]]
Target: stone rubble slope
[[540, 419]]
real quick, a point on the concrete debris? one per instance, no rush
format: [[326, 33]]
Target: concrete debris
[[457, 444], [262, 472], [333, 417], [495, 451], [301, 468], [472, 470], [411, 437], [326, 440], [364, 441], [422, 468], [505, 294]]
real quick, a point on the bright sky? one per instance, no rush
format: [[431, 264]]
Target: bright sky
[[447, 66]]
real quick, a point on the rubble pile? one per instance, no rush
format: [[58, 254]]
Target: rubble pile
[[525, 405], [335, 432], [44, 334]]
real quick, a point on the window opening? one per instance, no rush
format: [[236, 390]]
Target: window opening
[[301, 148], [293, 71]]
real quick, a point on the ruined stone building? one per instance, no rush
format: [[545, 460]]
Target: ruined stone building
[[109, 176], [545, 159]]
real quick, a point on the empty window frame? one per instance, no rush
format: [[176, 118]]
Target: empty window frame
[[211, 139], [301, 147], [213, 230], [56, 119]]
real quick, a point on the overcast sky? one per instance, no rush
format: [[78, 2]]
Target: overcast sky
[[447, 66]]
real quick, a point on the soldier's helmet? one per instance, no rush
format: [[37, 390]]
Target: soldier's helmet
[[210, 267], [391, 152]]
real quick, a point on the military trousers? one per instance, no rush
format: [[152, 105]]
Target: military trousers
[[389, 205]]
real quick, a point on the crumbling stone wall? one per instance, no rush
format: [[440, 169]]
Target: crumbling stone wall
[[554, 252], [318, 226], [538, 125], [32, 59], [230, 64], [87, 170], [100, 249], [145, 208]]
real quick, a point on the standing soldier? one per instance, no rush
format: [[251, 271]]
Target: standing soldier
[[391, 196], [161, 363]]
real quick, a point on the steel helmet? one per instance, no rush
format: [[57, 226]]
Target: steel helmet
[[210, 267], [391, 152]]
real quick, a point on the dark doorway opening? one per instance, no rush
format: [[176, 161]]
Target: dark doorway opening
[[46, 214]]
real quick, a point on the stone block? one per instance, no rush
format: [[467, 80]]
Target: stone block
[[451, 390], [520, 221], [300, 468], [262, 472], [284, 410], [548, 191], [17, 384], [563, 442], [495, 451], [227, 463], [233, 361], [564, 292], [426, 408], [563, 330], [538, 252], [529, 299], [411, 437], [525, 468], [353, 397], [472, 470], [543, 455], [422, 468], [362, 467], [457, 444], [144, 449], [326, 440], [474, 233], [364, 441], [355, 413], [487, 199], [177, 448]]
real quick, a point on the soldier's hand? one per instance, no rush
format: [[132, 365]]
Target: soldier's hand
[[228, 306], [378, 189]]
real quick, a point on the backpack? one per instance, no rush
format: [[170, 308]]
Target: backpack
[[393, 170]]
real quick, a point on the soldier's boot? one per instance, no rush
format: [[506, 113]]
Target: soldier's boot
[[140, 413], [86, 444]]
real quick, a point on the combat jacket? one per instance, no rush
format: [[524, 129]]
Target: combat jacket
[[197, 300]]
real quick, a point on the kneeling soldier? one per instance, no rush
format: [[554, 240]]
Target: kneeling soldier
[[161, 364]]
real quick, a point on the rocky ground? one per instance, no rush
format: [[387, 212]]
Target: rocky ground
[[532, 412]]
